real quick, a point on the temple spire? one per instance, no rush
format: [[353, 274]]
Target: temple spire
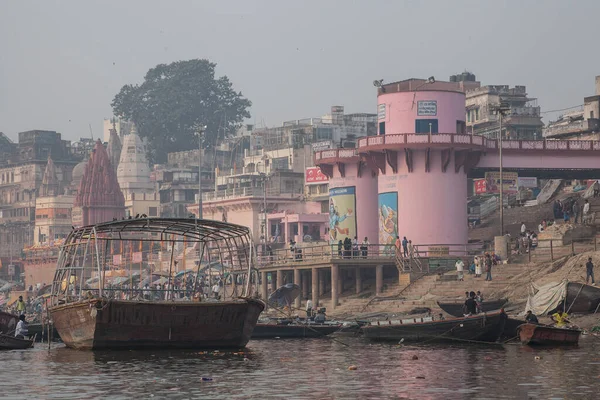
[[50, 184]]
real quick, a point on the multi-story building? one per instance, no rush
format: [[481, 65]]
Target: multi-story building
[[522, 121], [21, 177], [580, 122]]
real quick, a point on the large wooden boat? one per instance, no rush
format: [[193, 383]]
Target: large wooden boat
[[534, 334], [293, 330], [485, 327], [456, 309], [95, 307], [10, 342], [8, 322], [582, 298]]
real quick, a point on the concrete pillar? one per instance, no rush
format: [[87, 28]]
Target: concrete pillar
[[274, 275], [298, 301], [358, 277], [321, 278], [305, 279], [264, 294], [340, 281], [279, 278], [501, 246], [378, 280], [335, 277], [315, 287]]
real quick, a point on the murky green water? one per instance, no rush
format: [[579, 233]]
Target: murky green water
[[307, 369]]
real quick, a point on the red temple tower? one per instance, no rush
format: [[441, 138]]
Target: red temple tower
[[99, 197]]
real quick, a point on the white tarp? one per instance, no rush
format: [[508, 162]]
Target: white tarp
[[546, 297]]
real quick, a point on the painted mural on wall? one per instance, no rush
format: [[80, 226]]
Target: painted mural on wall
[[388, 219], [342, 216]]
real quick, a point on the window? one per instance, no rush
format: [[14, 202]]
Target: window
[[591, 115], [324, 134], [469, 116], [382, 128], [477, 114], [461, 127], [281, 163], [426, 125], [152, 212]]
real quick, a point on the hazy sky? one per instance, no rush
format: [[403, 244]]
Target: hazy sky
[[61, 62]]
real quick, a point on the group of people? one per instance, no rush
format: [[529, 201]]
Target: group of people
[[479, 265], [473, 303], [560, 318], [404, 247], [570, 209], [351, 248]]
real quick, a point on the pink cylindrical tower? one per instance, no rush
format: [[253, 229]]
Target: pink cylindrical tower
[[420, 157]]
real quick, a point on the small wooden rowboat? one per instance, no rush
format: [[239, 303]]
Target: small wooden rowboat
[[456, 309], [533, 334], [8, 342]]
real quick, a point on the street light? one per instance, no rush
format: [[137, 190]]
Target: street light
[[429, 80], [264, 177], [501, 109], [199, 132]]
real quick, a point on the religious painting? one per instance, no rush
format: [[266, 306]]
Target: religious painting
[[342, 215], [388, 219]]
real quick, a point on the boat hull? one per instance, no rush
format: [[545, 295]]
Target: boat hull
[[582, 298], [481, 327], [456, 309], [9, 342], [542, 335], [270, 331], [115, 324], [8, 322]]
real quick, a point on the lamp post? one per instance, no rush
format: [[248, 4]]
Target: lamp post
[[264, 221], [200, 132], [501, 108]]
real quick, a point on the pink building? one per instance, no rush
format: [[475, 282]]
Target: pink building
[[405, 185]]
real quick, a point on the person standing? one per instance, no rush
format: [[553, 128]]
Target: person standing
[[523, 228], [576, 210], [398, 246], [488, 267], [215, 290], [355, 247], [586, 212], [460, 267], [340, 247], [364, 247], [589, 269], [470, 304], [477, 267], [309, 307], [405, 246], [20, 306]]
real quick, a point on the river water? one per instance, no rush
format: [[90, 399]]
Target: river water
[[307, 369]]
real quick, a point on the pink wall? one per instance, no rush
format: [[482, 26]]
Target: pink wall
[[366, 199], [401, 114], [536, 160], [432, 206]]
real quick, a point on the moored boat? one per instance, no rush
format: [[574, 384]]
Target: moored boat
[[485, 327], [8, 322], [582, 298], [9, 342], [534, 334], [293, 330], [98, 307], [456, 309]]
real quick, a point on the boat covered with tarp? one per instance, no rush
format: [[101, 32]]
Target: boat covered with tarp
[[573, 297], [118, 285]]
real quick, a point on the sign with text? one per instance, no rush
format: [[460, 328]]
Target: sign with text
[[510, 182], [528, 182], [381, 111], [427, 108], [324, 145], [480, 186], [314, 175]]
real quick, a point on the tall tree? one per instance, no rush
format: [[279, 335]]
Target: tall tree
[[175, 100]]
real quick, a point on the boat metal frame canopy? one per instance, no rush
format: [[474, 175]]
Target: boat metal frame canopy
[[104, 260]]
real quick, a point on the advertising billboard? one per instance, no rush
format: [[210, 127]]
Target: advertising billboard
[[479, 186], [528, 182], [510, 184], [313, 175], [388, 219], [342, 216]]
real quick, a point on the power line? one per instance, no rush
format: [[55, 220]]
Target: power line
[[562, 109]]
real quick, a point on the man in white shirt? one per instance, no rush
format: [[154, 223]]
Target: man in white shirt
[[22, 328], [523, 228], [309, 306], [460, 267], [215, 290], [586, 211]]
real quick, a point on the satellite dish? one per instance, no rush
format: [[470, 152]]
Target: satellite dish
[[378, 83]]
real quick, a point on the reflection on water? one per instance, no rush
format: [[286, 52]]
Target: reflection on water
[[306, 369]]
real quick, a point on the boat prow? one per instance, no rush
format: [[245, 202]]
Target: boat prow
[[544, 335]]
